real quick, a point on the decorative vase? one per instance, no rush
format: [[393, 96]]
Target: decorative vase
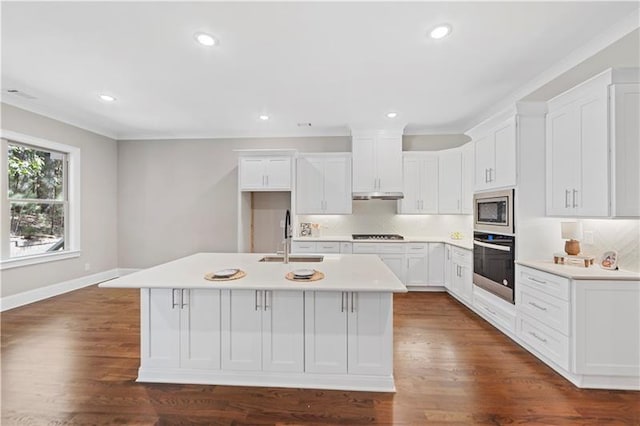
[[572, 247]]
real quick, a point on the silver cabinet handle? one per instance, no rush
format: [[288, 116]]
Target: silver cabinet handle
[[173, 298], [537, 281], [353, 303], [258, 305], [566, 198], [182, 298], [535, 305], [542, 339], [266, 299], [486, 179], [575, 192], [267, 179]]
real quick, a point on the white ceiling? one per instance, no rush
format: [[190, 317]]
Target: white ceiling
[[336, 65]]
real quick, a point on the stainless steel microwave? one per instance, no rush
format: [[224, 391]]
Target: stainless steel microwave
[[493, 212]]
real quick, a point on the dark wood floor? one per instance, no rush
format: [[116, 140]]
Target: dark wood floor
[[73, 360]]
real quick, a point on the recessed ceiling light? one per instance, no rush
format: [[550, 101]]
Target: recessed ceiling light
[[440, 31], [107, 98], [206, 39], [264, 117], [392, 114]]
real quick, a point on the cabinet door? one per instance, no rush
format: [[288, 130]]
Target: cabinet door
[[389, 163], [252, 173], [310, 185], [592, 196], [160, 343], [467, 179], [504, 169], [448, 268], [370, 341], [278, 173], [412, 195], [241, 330], [484, 160], [325, 338], [429, 185], [450, 182], [417, 269], [363, 149], [337, 185], [563, 158], [625, 128], [283, 331], [200, 329], [436, 264], [395, 262]]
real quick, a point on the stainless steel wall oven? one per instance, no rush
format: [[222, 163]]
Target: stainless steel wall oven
[[493, 264]]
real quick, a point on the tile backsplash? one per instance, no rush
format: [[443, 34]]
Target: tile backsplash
[[621, 235], [379, 217]]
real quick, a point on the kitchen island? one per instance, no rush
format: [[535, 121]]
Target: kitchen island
[[264, 330]]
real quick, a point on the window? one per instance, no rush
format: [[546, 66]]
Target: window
[[41, 214]]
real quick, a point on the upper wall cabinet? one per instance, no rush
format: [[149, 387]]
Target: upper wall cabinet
[[420, 175], [450, 181], [467, 178], [495, 156], [592, 148], [265, 173], [377, 162], [323, 183]]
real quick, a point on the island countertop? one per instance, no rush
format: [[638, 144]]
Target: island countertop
[[343, 272]]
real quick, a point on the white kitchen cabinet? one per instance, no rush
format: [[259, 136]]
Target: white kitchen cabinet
[[377, 162], [467, 178], [495, 157], [450, 181], [324, 184], [319, 247], [448, 268], [367, 320], [420, 177], [417, 264], [265, 173], [257, 331], [436, 264], [591, 141], [462, 273], [395, 262], [185, 325]]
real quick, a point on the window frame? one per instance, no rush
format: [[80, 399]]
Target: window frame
[[72, 212]]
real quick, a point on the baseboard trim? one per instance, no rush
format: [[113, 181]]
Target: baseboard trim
[[35, 295]]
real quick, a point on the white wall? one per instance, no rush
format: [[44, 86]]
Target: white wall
[[98, 203], [178, 197]]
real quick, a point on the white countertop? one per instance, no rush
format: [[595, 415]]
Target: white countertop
[[465, 243], [579, 272], [343, 272]]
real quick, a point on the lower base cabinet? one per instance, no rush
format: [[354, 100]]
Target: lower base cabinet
[[179, 328], [259, 332], [348, 332], [461, 279]]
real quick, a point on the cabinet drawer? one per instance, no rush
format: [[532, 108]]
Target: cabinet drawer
[[365, 248], [543, 339], [463, 256], [547, 283], [488, 309], [328, 247], [416, 248], [549, 310], [304, 247], [390, 247]]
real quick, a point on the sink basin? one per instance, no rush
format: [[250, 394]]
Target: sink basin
[[295, 258]]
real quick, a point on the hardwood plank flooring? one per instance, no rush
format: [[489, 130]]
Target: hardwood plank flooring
[[73, 359]]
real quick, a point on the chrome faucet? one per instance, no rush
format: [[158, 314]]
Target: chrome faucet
[[287, 236]]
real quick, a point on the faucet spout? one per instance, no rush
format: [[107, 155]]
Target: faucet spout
[[287, 236]]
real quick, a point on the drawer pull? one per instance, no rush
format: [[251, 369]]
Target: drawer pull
[[537, 281], [535, 305], [542, 339]]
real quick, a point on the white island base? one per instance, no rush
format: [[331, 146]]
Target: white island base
[[330, 334]]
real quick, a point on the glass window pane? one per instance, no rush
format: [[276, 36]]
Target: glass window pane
[[35, 173], [36, 228]]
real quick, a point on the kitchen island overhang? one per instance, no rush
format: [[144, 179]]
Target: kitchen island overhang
[[264, 330]]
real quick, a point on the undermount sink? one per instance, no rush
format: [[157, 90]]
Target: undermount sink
[[292, 259]]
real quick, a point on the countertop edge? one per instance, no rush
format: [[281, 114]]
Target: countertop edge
[[462, 243], [573, 272]]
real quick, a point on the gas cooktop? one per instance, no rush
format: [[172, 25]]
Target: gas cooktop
[[377, 237]]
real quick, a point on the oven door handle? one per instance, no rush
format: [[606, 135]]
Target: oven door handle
[[491, 246]]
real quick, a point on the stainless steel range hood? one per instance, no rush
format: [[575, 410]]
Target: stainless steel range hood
[[377, 195]]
